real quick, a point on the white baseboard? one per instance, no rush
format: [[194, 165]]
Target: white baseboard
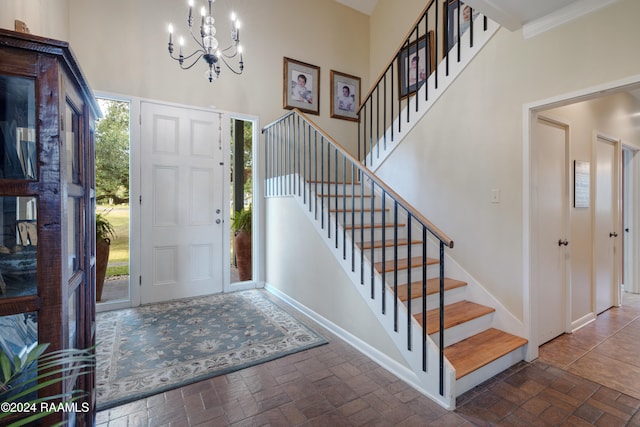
[[394, 367]]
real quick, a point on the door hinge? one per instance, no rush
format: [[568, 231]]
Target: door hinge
[[140, 118], [140, 281], [140, 199]]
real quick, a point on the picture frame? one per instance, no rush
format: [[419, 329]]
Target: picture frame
[[301, 86], [581, 184], [345, 96], [467, 15], [413, 62]]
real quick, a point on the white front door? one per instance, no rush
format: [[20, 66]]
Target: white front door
[[182, 206], [606, 233], [551, 198]]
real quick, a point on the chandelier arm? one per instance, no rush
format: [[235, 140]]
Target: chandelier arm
[[230, 67], [196, 39], [195, 61]]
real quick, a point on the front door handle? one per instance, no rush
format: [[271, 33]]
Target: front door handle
[[564, 242], [613, 234]]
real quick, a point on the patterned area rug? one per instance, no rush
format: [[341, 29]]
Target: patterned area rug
[[151, 349]]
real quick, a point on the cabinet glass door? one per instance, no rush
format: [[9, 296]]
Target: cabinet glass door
[[18, 158]]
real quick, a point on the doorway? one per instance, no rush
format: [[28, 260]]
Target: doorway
[[182, 203]]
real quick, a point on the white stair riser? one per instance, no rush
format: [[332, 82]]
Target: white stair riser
[[345, 202], [464, 330], [433, 301], [490, 370], [377, 234], [403, 251], [361, 217]]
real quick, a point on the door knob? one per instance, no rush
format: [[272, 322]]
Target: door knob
[[218, 221], [564, 242], [613, 234], [218, 211]]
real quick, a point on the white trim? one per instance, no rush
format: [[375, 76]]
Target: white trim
[[583, 321], [563, 15]]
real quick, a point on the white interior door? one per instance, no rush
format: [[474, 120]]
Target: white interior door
[[630, 220], [551, 195], [606, 233], [182, 202]]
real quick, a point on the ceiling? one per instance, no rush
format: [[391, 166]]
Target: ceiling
[[515, 14]]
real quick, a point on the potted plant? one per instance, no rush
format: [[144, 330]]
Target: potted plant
[[241, 226], [104, 233], [23, 376]]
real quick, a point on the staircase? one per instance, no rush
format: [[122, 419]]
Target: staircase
[[476, 350], [452, 334]]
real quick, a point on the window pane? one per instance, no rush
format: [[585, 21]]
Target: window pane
[[18, 246], [17, 128]]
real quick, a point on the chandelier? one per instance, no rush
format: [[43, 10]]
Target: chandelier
[[207, 45]]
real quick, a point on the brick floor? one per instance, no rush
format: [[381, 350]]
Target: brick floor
[[335, 385]]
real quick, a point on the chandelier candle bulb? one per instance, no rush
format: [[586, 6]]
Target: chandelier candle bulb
[[190, 19]]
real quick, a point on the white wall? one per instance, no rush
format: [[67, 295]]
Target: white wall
[[471, 141], [300, 265], [390, 22], [125, 51], [614, 116], [46, 18]]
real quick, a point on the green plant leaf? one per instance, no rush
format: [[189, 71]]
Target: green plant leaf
[[5, 364]]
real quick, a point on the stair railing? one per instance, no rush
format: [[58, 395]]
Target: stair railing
[[431, 41], [302, 160]]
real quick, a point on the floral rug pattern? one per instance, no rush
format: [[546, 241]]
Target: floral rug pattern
[[151, 349]]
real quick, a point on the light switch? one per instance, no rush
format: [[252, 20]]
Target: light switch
[[495, 195]]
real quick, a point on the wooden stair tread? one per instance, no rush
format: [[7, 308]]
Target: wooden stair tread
[[454, 314], [433, 287], [403, 264], [377, 244], [479, 350]]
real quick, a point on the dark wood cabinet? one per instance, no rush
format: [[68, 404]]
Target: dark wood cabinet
[[47, 204]]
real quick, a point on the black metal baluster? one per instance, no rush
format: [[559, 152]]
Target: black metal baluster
[[441, 328], [322, 181], [318, 199], [372, 234], [353, 217], [383, 292], [424, 298], [335, 230], [344, 207], [392, 103], [384, 113], [409, 316], [361, 230], [377, 120], [395, 265]]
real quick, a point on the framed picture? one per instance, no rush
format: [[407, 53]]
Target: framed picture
[[345, 96], [413, 63], [301, 84], [457, 12]]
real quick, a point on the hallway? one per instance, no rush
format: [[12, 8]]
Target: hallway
[[335, 385]]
